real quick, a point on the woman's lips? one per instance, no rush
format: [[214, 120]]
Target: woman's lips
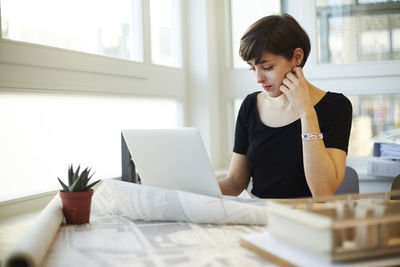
[[267, 87]]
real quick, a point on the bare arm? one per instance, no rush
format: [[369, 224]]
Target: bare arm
[[238, 176], [324, 167]]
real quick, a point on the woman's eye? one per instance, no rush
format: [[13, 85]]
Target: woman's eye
[[264, 68]]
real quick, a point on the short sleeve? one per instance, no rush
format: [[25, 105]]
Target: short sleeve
[[241, 132], [337, 132]]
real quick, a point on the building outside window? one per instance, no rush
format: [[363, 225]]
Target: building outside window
[[351, 31], [358, 30], [374, 116]]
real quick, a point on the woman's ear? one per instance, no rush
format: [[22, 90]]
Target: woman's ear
[[298, 56]]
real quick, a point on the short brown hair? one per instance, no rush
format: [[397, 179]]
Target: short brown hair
[[276, 34]]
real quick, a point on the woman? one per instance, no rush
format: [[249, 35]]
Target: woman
[[292, 137]]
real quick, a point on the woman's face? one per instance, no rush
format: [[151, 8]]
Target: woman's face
[[270, 72]]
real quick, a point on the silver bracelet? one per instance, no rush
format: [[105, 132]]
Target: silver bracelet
[[312, 136]]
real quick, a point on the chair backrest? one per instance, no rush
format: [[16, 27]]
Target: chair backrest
[[395, 186], [350, 183]]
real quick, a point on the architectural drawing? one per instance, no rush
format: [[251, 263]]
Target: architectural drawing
[[137, 225], [151, 203], [120, 241]]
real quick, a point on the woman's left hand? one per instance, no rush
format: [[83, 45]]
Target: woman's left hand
[[297, 90]]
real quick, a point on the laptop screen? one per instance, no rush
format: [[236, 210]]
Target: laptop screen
[[172, 159]]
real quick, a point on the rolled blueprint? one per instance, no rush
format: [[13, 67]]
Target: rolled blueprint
[[31, 249]]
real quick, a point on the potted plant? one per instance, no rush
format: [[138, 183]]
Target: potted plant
[[76, 197]]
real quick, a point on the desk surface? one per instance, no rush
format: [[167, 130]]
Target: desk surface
[[118, 235], [118, 241]]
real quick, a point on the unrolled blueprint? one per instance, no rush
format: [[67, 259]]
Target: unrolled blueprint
[[137, 225]]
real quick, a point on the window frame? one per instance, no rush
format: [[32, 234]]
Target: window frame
[[348, 78], [94, 73], [41, 69], [379, 77], [177, 33], [351, 10]]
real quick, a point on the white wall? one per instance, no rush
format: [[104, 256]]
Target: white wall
[[203, 102]]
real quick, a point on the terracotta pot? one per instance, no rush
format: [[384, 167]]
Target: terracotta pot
[[76, 206]]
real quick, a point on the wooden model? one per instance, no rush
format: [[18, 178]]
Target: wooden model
[[339, 228]]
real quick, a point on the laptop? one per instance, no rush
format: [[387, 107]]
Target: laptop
[[172, 159]]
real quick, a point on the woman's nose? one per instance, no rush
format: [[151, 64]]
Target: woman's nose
[[260, 76]]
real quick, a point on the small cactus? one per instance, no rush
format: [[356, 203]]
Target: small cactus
[[77, 182]]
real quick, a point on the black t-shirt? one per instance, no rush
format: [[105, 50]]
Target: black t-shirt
[[275, 154]]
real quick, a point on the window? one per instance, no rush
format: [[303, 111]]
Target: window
[[358, 30], [42, 134], [79, 102], [373, 116], [352, 31], [166, 41], [109, 28], [243, 14]]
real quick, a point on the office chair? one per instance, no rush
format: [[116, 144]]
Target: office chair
[[395, 186], [350, 183]]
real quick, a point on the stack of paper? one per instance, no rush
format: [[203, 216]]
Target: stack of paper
[[390, 150]]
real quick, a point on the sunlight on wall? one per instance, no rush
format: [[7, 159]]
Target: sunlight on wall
[[42, 134]]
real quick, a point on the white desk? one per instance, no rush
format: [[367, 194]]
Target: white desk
[[118, 241], [113, 239], [136, 225]]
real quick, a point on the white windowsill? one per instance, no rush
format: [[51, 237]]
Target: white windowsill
[[25, 205]]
